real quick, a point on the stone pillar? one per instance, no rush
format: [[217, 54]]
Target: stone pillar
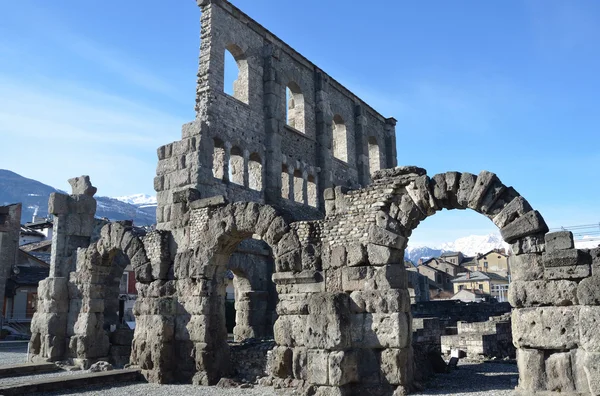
[[73, 226], [324, 120], [246, 171], [305, 187], [362, 147], [10, 227], [291, 183], [273, 100], [391, 156]]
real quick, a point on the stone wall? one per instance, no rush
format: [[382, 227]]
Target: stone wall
[[489, 339], [242, 147], [556, 295]]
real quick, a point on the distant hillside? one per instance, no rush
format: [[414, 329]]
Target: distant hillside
[[32, 194]]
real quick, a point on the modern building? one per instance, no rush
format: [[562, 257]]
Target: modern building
[[486, 282]]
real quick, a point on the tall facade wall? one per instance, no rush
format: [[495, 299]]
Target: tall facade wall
[[245, 147]]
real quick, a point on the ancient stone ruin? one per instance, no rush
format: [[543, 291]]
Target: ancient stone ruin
[[315, 188]]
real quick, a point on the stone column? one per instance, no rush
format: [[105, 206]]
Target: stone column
[[291, 183], [246, 171], [391, 156], [10, 227], [324, 119], [273, 99], [362, 147]]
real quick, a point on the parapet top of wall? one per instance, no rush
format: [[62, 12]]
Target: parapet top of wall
[[295, 55]]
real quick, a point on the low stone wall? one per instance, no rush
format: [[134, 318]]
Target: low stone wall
[[249, 359]]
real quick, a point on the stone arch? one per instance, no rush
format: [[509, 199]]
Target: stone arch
[[240, 85], [200, 335], [369, 232], [93, 326]]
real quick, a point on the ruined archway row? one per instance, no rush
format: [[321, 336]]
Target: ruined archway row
[[344, 310]]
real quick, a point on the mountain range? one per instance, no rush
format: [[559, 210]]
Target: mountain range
[[469, 246], [34, 197]]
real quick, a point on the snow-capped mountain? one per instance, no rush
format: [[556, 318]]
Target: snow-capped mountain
[[473, 244], [588, 242], [469, 246], [139, 200], [34, 197]]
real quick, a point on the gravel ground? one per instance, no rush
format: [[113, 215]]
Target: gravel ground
[[470, 379], [13, 353], [475, 379]]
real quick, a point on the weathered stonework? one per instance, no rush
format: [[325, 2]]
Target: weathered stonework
[[343, 307]]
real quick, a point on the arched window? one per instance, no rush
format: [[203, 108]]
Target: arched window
[[236, 166], [298, 186], [311, 191], [255, 172], [218, 159], [235, 74], [374, 158], [340, 140], [294, 107], [285, 182]]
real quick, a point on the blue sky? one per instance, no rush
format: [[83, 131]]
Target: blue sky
[[511, 87]]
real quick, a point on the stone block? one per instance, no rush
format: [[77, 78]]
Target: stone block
[[589, 322], [566, 258], [529, 244], [299, 362], [383, 237], [317, 370], [327, 322], [591, 367], [528, 224], [217, 200], [390, 277], [560, 240], [357, 278], [465, 188], [380, 301], [567, 272], [588, 291], [526, 267], [532, 370], [419, 191], [540, 292], [290, 330], [514, 209], [559, 375], [397, 366], [58, 204], [484, 181], [280, 362], [342, 368], [356, 254], [336, 257], [546, 327], [381, 255], [379, 330]]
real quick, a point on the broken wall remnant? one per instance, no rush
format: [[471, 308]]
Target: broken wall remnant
[[479, 340], [245, 148]]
